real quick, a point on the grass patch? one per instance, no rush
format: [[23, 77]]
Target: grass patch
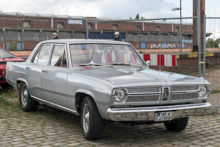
[[2, 99], [215, 91], [8, 97]]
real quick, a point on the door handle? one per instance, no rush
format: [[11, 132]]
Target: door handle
[[28, 68]]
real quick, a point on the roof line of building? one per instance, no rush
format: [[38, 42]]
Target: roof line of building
[[92, 19]]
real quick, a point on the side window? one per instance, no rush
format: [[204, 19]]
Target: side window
[[42, 55], [36, 58], [58, 58]]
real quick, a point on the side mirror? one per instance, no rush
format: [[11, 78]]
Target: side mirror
[[148, 63]]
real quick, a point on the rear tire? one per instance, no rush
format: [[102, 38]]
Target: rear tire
[[91, 121], [177, 125], [26, 102]]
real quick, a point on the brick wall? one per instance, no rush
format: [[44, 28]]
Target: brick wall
[[189, 65], [45, 22]]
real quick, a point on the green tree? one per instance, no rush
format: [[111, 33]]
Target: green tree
[[130, 18], [217, 42], [142, 17], [210, 42], [12, 46], [137, 16]]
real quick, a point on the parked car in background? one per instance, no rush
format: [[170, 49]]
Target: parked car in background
[[5, 57], [103, 82]]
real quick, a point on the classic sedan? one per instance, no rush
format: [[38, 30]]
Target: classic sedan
[[106, 81]]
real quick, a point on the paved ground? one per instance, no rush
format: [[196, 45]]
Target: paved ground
[[52, 127]]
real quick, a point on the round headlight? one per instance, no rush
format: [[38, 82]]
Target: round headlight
[[202, 91], [119, 95]]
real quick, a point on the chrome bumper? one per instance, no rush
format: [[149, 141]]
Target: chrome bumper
[[150, 113]]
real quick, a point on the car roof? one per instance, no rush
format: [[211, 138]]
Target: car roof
[[77, 41]]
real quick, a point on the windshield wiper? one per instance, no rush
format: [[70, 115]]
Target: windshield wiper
[[90, 65], [121, 63], [8, 57]]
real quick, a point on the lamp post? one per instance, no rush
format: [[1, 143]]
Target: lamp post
[[175, 9]]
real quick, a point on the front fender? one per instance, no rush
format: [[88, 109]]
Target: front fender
[[85, 91], [102, 101]]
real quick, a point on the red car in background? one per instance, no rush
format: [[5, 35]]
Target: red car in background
[[5, 57]]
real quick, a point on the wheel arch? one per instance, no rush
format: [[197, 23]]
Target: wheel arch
[[80, 95], [19, 80]]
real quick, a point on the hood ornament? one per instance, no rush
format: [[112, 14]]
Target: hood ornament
[[166, 94]]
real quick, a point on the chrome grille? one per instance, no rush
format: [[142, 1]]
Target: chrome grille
[[187, 96], [143, 90], [143, 98], [184, 88]]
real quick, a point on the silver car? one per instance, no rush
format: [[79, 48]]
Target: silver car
[[103, 82]]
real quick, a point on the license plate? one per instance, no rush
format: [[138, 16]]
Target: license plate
[[164, 116]]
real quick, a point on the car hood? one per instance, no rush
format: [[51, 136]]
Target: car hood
[[130, 75]]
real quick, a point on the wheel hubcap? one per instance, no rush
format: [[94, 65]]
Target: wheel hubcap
[[86, 118], [24, 95]]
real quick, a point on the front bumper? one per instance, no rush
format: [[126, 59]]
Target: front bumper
[[150, 113]]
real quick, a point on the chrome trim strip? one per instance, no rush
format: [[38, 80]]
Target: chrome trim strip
[[55, 105], [188, 100], [182, 92], [159, 108]]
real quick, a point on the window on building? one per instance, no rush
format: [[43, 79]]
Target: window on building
[[158, 28], [26, 23], [60, 25], [89, 25], [176, 29], [138, 27], [115, 27]]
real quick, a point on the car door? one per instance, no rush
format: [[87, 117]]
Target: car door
[[54, 77], [34, 70]]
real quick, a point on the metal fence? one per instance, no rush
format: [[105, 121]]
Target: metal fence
[[212, 71]]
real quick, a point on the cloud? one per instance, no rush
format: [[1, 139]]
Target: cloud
[[96, 8]]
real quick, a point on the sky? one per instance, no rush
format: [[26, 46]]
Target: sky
[[123, 9], [108, 8]]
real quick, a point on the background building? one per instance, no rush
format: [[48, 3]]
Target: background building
[[27, 30]]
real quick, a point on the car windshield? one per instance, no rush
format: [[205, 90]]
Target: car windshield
[[4, 54], [104, 54]]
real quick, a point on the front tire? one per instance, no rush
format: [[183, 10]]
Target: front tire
[[177, 125], [91, 121], [26, 102]]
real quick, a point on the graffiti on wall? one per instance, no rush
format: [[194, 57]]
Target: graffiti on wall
[[155, 45], [165, 45], [171, 45]]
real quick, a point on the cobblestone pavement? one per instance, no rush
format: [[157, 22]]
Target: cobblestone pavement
[[51, 127]]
